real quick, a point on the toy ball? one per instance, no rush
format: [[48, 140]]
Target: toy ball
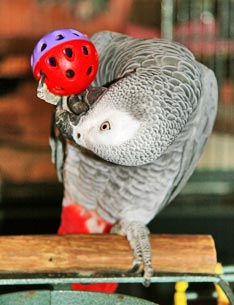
[[67, 59]]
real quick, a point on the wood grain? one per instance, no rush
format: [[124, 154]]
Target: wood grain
[[103, 252]]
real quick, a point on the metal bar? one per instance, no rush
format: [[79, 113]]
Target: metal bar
[[167, 19], [105, 278], [59, 280]]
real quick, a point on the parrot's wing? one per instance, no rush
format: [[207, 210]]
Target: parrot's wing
[[194, 146]]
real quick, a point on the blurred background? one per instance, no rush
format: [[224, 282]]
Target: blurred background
[[30, 196]]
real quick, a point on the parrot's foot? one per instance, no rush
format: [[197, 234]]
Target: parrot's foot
[[137, 235], [44, 94]]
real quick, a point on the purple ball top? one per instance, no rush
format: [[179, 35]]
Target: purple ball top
[[53, 39]]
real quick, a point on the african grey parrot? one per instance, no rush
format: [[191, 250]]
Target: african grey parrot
[[136, 134]]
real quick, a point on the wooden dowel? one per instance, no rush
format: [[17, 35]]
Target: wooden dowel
[[103, 252]]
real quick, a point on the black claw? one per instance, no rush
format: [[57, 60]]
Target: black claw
[[135, 268], [146, 282], [43, 77]]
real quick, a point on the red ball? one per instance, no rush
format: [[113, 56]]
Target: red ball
[[69, 67]]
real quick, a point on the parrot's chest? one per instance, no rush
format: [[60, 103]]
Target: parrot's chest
[[85, 177]]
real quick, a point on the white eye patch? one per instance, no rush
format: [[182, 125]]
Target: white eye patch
[[90, 132]]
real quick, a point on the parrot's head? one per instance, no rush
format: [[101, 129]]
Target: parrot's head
[[125, 124]]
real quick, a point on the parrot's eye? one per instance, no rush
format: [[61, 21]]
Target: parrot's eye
[[105, 126]]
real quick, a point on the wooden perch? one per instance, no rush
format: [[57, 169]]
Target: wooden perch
[[89, 254]]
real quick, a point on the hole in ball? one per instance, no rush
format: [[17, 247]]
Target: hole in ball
[[68, 52], [85, 50], [59, 37], [52, 61], [89, 70], [70, 73], [43, 46]]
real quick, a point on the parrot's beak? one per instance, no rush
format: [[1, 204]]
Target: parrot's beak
[[69, 111], [77, 105], [81, 103], [94, 94]]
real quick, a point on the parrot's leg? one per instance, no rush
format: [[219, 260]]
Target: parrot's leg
[[137, 235], [44, 94]]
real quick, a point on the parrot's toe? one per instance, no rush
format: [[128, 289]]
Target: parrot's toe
[[137, 235], [44, 94], [41, 88], [148, 272]]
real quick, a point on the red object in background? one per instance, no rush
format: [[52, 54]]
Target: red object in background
[[138, 31], [227, 92], [76, 220], [203, 38]]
